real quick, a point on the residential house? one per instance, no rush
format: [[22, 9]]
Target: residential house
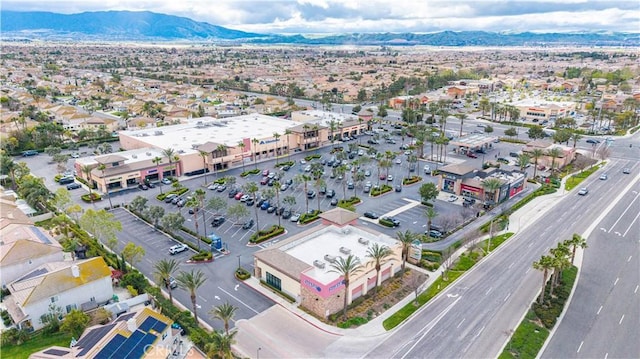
[[65, 285]]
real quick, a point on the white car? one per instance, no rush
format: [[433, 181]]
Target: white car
[[390, 178], [244, 198], [166, 181], [398, 161], [177, 249], [583, 191], [295, 217], [213, 187], [75, 155], [452, 198], [302, 162]]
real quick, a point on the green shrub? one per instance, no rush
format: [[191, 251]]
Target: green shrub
[[242, 274], [265, 234], [287, 163], [250, 172], [385, 222], [380, 190], [432, 256], [309, 217], [180, 191], [312, 157], [202, 256], [88, 197], [411, 180], [91, 185], [349, 203], [353, 322]]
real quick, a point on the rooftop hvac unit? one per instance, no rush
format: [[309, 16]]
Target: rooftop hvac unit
[[345, 250], [345, 231], [318, 263], [158, 133], [134, 156], [363, 241], [180, 151], [148, 153], [329, 258]]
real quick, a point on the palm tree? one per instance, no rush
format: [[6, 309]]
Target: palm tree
[[288, 132], [575, 136], [406, 238], [170, 154], [220, 345], [204, 156], [380, 255], [536, 154], [490, 185], [163, 270], [225, 313], [462, 117], [304, 179], [157, 161], [255, 142], [523, 161], [86, 169], [221, 151], [575, 242], [554, 153], [251, 188], [544, 264], [431, 214], [560, 263], [277, 137], [191, 281], [242, 146], [346, 267], [101, 168]]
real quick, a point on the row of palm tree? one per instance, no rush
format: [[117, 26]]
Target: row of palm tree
[[559, 259]]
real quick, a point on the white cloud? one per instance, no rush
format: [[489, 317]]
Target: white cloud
[[334, 16]]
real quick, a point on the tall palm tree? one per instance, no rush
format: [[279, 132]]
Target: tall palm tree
[[303, 178], [287, 133], [157, 161], [86, 169], [536, 154], [101, 168], [490, 185], [380, 255], [276, 152], [406, 238], [554, 153], [163, 270], [544, 264], [560, 262], [194, 204], [461, 117], [251, 188], [575, 242], [346, 267], [170, 154], [431, 214], [242, 146], [220, 345], [523, 160], [225, 312], [221, 151], [255, 142], [204, 156], [191, 281]]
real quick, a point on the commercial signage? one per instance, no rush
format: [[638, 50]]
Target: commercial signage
[[264, 142], [323, 290], [470, 189], [152, 171]]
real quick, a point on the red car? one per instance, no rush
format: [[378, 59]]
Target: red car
[[472, 155], [265, 173], [383, 177], [238, 195]]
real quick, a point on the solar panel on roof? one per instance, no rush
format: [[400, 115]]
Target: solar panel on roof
[[125, 317], [56, 352], [88, 341], [159, 326], [139, 349], [147, 324], [40, 235]]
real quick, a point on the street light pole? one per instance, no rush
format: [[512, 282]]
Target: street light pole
[[258, 352], [238, 261]]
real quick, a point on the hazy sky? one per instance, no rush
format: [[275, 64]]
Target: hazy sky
[[335, 16]]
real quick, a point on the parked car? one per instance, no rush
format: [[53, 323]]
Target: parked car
[[471, 155], [170, 197], [232, 193], [286, 167], [143, 186], [284, 187], [390, 178], [434, 234], [371, 215], [350, 185], [279, 211], [294, 217], [151, 185], [286, 214], [178, 248], [73, 186], [217, 221], [271, 209], [238, 196], [213, 187], [249, 202], [221, 188], [166, 181], [248, 224], [334, 201], [311, 194], [383, 176], [181, 202], [330, 193], [171, 283], [592, 141], [265, 173], [367, 173], [398, 188], [452, 198], [264, 180], [244, 198], [265, 205], [626, 171]]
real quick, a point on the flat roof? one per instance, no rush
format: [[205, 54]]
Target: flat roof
[[229, 131], [325, 117], [130, 157], [473, 140], [542, 103], [330, 240]]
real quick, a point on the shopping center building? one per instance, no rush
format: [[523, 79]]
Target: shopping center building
[[301, 265], [467, 181]]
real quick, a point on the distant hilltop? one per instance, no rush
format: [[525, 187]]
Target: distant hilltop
[[148, 26]]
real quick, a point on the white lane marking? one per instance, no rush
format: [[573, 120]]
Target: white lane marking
[[636, 291], [616, 282], [243, 303], [462, 321], [623, 213], [201, 297], [511, 265], [488, 291], [629, 259], [622, 318], [530, 244], [507, 297], [599, 309], [430, 326], [632, 222], [580, 347]]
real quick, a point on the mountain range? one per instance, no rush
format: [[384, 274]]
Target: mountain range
[[149, 26]]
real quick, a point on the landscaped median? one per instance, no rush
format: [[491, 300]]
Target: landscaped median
[[576, 179], [93, 197], [375, 192], [411, 180], [349, 203], [250, 172], [177, 192], [266, 234], [307, 218]]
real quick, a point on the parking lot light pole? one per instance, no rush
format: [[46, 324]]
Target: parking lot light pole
[[238, 261], [258, 352]]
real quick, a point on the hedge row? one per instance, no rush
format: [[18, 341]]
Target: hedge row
[[202, 256], [312, 157], [265, 234], [381, 190], [250, 172], [91, 197], [309, 217], [179, 191], [349, 202], [82, 180], [385, 222], [411, 180], [287, 163]]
